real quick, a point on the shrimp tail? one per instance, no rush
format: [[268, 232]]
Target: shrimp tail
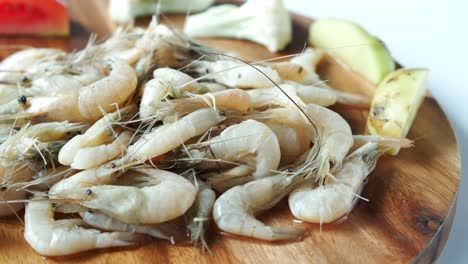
[[396, 142], [121, 239], [385, 142], [289, 233]]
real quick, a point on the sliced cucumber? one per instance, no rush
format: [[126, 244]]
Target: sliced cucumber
[[396, 102], [354, 46]]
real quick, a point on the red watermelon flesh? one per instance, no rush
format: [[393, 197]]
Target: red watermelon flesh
[[33, 17]]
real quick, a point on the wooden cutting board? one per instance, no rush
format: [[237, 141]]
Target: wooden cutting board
[[411, 197]]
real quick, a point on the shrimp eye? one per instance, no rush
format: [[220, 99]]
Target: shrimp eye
[[22, 99], [29, 195], [331, 164], [364, 157], [3, 188], [25, 79], [89, 192], [222, 113], [300, 70]]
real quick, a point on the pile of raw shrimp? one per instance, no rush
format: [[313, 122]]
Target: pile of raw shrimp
[[151, 134]]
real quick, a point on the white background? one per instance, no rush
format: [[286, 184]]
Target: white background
[[432, 34]]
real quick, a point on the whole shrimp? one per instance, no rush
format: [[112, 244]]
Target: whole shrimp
[[91, 149], [50, 237], [250, 143], [153, 196], [234, 73], [329, 202], [302, 94], [167, 137], [234, 210]]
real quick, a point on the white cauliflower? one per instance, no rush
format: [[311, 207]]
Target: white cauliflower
[[126, 10], [266, 22]]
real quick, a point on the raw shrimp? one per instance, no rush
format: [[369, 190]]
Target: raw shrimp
[[170, 136], [303, 94], [235, 74], [51, 237], [91, 149], [249, 142], [199, 215], [166, 82], [231, 99], [301, 68], [234, 210], [169, 231], [327, 97], [333, 200], [81, 104], [155, 196]]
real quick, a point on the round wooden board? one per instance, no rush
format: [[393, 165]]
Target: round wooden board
[[407, 219]]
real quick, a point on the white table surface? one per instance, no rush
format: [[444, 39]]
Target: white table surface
[[432, 34]]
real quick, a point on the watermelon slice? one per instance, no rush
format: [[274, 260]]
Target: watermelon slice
[[33, 17]]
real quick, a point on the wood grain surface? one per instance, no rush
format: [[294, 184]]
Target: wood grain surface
[[407, 219]]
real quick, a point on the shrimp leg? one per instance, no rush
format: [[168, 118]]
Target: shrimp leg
[[169, 231]]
